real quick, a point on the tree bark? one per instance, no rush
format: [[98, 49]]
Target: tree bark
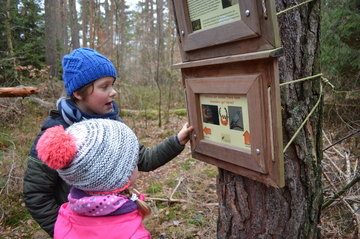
[[9, 39], [74, 25], [63, 23], [91, 23], [121, 32], [85, 22], [159, 54], [51, 13], [148, 44], [169, 52], [249, 209]]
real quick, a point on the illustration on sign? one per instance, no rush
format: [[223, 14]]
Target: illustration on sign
[[210, 114], [225, 119], [205, 14], [236, 118]]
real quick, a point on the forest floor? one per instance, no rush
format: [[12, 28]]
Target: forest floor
[[182, 193]]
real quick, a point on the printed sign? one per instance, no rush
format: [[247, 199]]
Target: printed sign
[[225, 119], [205, 14]]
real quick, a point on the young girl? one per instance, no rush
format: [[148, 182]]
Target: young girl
[[88, 78], [98, 157]]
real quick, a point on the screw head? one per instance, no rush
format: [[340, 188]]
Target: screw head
[[183, 33], [247, 13], [257, 151], [195, 136]]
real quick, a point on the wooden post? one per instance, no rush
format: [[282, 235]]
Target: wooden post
[[17, 91]]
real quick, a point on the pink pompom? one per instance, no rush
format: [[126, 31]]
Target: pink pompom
[[56, 147]]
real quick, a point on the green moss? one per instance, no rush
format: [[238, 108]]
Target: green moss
[[154, 188], [4, 142], [188, 164], [165, 134], [15, 214], [171, 214], [171, 183], [197, 220], [211, 172], [179, 112], [150, 113]]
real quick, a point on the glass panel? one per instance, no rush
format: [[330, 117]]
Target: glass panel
[[210, 13], [225, 119]]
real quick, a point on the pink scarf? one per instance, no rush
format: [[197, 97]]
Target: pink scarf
[[97, 205]]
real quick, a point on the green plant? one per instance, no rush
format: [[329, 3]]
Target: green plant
[[15, 213], [188, 164], [154, 188]]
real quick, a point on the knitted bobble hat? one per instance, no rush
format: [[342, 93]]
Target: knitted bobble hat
[[83, 66], [97, 156]]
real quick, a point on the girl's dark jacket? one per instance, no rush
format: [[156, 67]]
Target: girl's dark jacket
[[44, 191]]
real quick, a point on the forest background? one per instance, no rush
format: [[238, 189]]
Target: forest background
[[142, 41]]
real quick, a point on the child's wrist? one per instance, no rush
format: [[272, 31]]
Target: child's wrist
[[177, 139]]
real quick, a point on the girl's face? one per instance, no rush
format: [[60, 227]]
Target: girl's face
[[134, 176], [99, 98]]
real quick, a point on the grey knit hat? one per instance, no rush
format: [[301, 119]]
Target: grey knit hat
[[84, 65], [97, 156]]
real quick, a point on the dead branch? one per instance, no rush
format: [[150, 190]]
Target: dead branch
[[340, 140], [334, 165], [343, 105], [170, 199], [348, 167], [179, 201], [341, 191], [179, 182], [331, 145], [167, 200], [39, 101], [17, 91]]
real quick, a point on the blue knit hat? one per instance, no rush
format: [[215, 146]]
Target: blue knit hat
[[83, 66]]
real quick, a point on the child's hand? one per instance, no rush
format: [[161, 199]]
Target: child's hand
[[184, 134]]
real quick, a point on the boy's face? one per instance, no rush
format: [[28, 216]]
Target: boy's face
[[98, 100]]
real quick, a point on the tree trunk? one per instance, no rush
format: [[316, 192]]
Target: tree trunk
[[51, 11], [159, 54], [62, 26], [9, 39], [74, 25], [148, 44], [85, 22], [169, 53], [249, 209], [120, 31], [108, 28], [91, 23]]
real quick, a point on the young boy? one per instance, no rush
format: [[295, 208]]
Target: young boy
[[88, 78]]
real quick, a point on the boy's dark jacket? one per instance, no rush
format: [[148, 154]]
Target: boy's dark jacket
[[44, 191]]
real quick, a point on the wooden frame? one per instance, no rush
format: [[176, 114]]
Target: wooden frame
[[257, 79], [256, 31], [237, 59]]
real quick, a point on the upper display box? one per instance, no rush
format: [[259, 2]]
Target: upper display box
[[215, 28]]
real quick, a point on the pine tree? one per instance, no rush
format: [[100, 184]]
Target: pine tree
[[27, 38]]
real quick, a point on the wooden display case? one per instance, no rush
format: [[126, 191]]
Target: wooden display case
[[249, 26], [229, 51]]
